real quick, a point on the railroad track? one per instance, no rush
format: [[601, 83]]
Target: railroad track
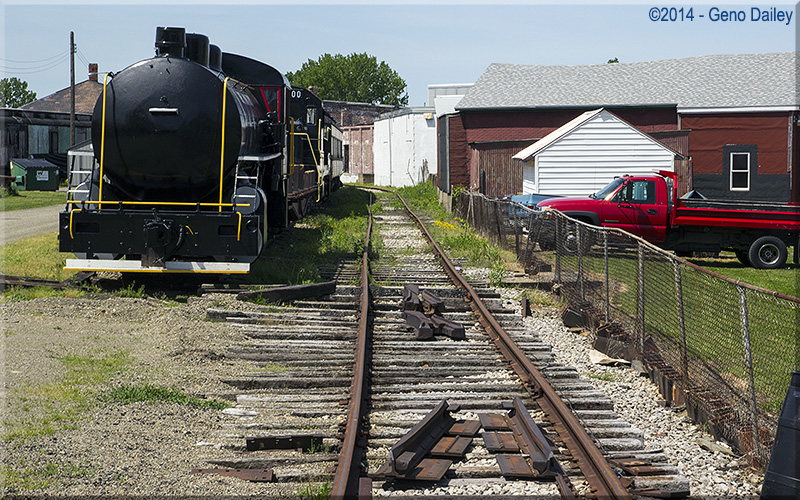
[[366, 426]]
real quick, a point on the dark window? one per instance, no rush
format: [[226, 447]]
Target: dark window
[[740, 171]]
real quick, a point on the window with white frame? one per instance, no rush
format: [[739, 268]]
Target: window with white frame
[[740, 171]]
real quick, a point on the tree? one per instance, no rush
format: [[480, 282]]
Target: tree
[[353, 78], [613, 61], [14, 93]]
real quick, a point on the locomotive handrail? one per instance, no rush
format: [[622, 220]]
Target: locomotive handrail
[[71, 236], [292, 164], [102, 140], [158, 203], [222, 143], [320, 166]]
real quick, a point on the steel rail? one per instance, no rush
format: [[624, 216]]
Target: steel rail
[[598, 473], [346, 481]]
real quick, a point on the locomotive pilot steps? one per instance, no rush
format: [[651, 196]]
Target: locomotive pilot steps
[[199, 156]]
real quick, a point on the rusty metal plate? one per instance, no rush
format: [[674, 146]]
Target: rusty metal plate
[[494, 421], [500, 442], [636, 467], [465, 428], [254, 475], [301, 442], [451, 447], [430, 469], [515, 466]]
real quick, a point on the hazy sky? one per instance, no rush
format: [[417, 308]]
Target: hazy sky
[[429, 42]]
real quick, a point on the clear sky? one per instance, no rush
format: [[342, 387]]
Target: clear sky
[[426, 42]]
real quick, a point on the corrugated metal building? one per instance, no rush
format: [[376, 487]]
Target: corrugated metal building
[[586, 153]]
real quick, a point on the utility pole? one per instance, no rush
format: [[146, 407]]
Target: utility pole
[[71, 88]]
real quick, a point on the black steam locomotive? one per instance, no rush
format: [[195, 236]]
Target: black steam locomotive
[[199, 156]]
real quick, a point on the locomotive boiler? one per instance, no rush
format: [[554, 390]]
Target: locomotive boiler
[[199, 156]]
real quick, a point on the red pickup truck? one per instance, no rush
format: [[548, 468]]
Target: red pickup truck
[[647, 206]]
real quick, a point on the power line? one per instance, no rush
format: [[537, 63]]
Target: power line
[[34, 69], [60, 55], [82, 57]]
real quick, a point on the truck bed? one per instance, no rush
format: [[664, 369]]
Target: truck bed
[[725, 213]]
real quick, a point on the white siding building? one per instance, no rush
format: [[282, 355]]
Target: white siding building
[[404, 147], [586, 153]]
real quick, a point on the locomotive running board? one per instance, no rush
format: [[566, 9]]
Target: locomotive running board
[[135, 266]]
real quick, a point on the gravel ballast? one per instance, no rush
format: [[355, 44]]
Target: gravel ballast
[[107, 448]]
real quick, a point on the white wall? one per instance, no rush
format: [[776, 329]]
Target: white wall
[[590, 156], [404, 149]]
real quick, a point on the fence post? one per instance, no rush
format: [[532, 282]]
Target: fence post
[[640, 301], [498, 222], [579, 234], [558, 245], [682, 325], [608, 290], [748, 355]]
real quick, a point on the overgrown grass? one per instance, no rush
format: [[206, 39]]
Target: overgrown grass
[[336, 230], [21, 200], [455, 237], [157, 394]]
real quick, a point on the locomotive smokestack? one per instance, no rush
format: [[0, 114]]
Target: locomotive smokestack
[[170, 41]]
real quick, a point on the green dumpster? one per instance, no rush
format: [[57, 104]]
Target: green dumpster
[[34, 175]]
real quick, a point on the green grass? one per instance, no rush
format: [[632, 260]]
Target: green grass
[[156, 394], [35, 257], [311, 492], [712, 320], [30, 199], [785, 280], [336, 230], [39, 478], [457, 239], [65, 401]]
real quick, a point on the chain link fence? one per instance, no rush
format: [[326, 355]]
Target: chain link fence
[[724, 349]]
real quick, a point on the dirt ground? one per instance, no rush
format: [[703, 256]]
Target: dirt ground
[[62, 436]]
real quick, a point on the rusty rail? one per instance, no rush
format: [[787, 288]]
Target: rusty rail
[[598, 473], [347, 482]]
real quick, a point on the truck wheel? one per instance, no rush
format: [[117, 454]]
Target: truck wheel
[[742, 256], [767, 252], [570, 242]]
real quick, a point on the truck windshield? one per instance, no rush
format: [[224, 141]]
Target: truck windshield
[[601, 195]]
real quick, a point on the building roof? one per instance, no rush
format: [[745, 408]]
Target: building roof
[[716, 81], [86, 94], [553, 137], [33, 163]]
